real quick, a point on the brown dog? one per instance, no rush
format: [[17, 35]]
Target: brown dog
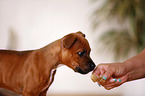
[[31, 72]]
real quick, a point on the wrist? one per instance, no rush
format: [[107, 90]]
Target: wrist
[[129, 67], [135, 69]]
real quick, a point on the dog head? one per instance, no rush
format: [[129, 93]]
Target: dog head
[[75, 53]]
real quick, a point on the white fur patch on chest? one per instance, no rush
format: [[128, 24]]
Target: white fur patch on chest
[[51, 75], [50, 78]]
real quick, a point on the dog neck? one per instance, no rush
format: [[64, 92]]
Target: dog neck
[[52, 54]]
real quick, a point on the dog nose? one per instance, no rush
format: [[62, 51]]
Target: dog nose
[[92, 65]]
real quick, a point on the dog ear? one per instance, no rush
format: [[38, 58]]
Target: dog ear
[[81, 33], [69, 40]]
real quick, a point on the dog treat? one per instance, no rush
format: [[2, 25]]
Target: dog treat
[[102, 80], [97, 79]]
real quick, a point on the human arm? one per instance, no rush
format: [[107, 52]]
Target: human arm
[[131, 69]]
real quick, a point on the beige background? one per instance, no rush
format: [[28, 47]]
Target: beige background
[[32, 24]]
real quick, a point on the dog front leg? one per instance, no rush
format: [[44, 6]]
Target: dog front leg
[[32, 87], [43, 93], [29, 94]]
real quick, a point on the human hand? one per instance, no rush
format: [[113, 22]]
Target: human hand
[[110, 75]]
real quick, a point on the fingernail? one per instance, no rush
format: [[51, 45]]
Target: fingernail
[[104, 77], [119, 80], [115, 79], [99, 85]]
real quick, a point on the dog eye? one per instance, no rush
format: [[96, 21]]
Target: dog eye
[[80, 54]]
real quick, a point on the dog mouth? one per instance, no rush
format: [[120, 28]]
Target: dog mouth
[[78, 69], [86, 70]]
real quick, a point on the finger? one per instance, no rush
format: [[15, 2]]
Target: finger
[[97, 77], [102, 71], [108, 74], [111, 87], [108, 88], [118, 82], [110, 81], [96, 72], [114, 84]]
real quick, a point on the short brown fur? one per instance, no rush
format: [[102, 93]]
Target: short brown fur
[[30, 73]]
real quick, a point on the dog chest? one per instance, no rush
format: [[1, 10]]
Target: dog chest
[[52, 73]]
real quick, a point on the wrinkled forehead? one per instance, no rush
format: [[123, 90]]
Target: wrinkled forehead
[[81, 44]]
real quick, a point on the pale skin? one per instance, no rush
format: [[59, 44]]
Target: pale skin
[[129, 70]]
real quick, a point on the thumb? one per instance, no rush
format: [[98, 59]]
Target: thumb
[[108, 74]]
